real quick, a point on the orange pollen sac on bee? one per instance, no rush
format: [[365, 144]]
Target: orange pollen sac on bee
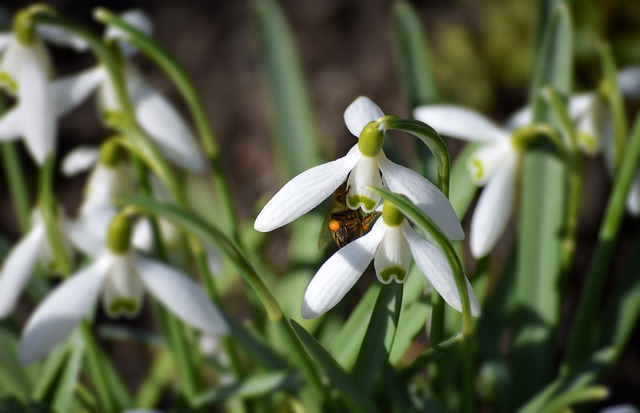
[[334, 225]]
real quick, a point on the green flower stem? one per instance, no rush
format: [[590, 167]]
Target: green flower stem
[[436, 144], [227, 343], [49, 210], [429, 137], [96, 365], [212, 234], [176, 333], [15, 179], [580, 340], [613, 96], [412, 212], [181, 79], [574, 176]]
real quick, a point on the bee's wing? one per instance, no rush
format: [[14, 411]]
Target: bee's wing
[[338, 204], [325, 236]]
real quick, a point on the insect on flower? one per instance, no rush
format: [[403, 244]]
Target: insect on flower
[[342, 223]]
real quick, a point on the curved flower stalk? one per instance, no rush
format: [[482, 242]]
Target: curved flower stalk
[[19, 264], [364, 165], [156, 115], [390, 244], [120, 275], [494, 165]]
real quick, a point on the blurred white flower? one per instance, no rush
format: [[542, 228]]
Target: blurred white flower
[[19, 264], [494, 165], [121, 278], [308, 189], [390, 244]]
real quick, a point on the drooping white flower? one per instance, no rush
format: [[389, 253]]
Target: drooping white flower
[[121, 278], [371, 168], [493, 165], [390, 244], [25, 69], [19, 264]]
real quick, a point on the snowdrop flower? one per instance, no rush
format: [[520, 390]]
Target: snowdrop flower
[[364, 165], [18, 267], [110, 178], [390, 244], [493, 165], [120, 275], [156, 115]]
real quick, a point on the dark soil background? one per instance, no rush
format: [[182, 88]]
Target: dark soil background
[[482, 58]]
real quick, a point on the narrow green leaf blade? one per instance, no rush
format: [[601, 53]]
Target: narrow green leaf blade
[[379, 338], [294, 130], [541, 221], [255, 386], [339, 378], [413, 56]]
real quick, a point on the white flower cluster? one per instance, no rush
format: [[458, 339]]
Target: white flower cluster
[[119, 277]]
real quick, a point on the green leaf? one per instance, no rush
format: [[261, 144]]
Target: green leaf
[[462, 187], [338, 377], [581, 338], [413, 56], [15, 378], [412, 321], [255, 386], [294, 130], [70, 375], [541, 222], [379, 338], [576, 381], [346, 345]]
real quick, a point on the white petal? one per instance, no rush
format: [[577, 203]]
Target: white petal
[[393, 257], [629, 80], [89, 232], [340, 272], [181, 295], [166, 127], [581, 104], [365, 173], [62, 37], [5, 38], [37, 108], [79, 160], [424, 194], [70, 91], [590, 126], [435, 267], [633, 199], [360, 112], [59, 313], [123, 290], [301, 194], [486, 160], [104, 185], [522, 117], [138, 19], [494, 207], [11, 124], [459, 122], [18, 268]]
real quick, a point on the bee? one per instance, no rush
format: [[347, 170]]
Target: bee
[[342, 223]]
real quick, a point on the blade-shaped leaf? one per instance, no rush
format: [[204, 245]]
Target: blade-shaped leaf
[[294, 131]]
